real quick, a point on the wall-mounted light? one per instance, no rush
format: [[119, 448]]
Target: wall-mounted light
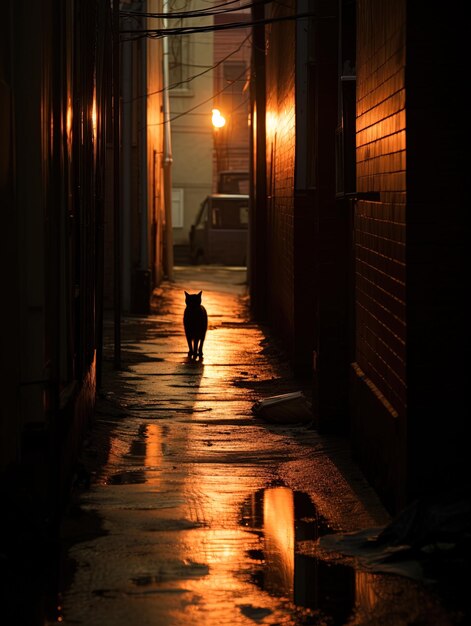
[[271, 123], [69, 118], [94, 117], [217, 119]]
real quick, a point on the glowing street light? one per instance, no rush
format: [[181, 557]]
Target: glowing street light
[[218, 119]]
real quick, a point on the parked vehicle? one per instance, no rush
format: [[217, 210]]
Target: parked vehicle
[[220, 231]]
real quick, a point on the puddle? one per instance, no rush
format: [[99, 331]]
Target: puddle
[[128, 478], [282, 518], [320, 591], [295, 505], [146, 452]]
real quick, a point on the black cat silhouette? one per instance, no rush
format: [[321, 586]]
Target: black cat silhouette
[[195, 321]]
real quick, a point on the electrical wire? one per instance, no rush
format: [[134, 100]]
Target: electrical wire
[[191, 78], [212, 67], [158, 33], [204, 101], [209, 12]]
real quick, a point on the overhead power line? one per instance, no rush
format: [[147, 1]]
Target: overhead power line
[[190, 78], [157, 33], [214, 95], [209, 12]]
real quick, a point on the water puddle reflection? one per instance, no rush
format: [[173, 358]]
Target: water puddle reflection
[[137, 477], [282, 518], [146, 452]]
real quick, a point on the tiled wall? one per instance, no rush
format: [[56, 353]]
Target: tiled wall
[[380, 219], [280, 46]]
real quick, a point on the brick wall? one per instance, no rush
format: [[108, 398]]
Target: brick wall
[[232, 47], [280, 120], [378, 376], [380, 220]]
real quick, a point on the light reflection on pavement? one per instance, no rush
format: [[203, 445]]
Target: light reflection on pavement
[[209, 516]]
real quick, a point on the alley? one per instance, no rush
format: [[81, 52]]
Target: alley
[[198, 513], [321, 144]]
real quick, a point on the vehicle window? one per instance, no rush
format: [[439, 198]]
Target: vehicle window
[[229, 214]]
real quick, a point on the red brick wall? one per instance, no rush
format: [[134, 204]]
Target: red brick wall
[[280, 46], [232, 46], [380, 220]]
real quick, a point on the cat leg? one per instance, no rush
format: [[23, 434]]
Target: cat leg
[[190, 347], [200, 348]]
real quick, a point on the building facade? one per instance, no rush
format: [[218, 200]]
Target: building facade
[[55, 70], [409, 375], [142, 216], [355, 251]]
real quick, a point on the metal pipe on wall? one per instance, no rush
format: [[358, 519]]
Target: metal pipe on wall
[[126, 169], [168, 158], [143, 162]]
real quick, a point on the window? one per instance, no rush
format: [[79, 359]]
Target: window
[[177, 208]]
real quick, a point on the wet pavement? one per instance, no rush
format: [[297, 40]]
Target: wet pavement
[[199, 513]]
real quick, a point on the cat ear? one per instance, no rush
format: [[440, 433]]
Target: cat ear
[[186, 293], [200, 293]]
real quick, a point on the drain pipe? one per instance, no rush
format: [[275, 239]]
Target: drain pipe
[[167, 160], [144, 221], [126, 48]]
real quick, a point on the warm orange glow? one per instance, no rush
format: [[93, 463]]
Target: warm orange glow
[[153, 446], [94, 116], [217, 119], [69, 118], [366, 593], [271, 122], [278, 519]]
